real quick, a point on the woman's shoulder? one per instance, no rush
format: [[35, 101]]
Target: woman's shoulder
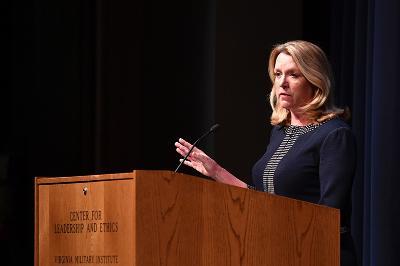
[[336, 136], [335, 132], [334, 125]]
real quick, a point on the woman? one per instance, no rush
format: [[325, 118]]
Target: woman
[[311, 155]]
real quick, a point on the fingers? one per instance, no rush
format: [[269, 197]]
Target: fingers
[[185, 143], [188, 163], [184, 146], [182, 150], [181, 146]]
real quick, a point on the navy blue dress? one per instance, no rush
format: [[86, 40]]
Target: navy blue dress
[[318, 168]]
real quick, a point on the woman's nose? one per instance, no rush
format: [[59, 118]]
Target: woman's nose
[[282, 82]]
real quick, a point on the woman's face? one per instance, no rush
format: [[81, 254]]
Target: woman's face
[[292, 89]]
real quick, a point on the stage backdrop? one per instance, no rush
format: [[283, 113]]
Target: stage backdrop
[[366, 35]]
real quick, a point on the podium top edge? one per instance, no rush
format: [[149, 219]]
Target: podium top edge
[[92, 178], [86, 178]]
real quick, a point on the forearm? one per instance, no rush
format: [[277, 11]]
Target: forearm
[[223, 176]]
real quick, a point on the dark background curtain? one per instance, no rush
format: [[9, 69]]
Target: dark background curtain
[[108, 86], [366, 34]]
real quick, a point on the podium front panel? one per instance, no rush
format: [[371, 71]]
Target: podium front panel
[[85, 221]]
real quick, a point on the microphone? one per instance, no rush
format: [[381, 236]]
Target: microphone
[[211, 130]]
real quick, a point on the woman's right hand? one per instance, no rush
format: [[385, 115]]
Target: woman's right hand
[[197, 159], [201, 162]]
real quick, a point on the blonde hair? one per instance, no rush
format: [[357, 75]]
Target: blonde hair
[[314, 65]]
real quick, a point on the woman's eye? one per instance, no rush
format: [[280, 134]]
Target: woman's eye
[[277, 74], [294, 75]]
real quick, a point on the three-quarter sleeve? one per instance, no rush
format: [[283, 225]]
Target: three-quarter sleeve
[[337, 167]]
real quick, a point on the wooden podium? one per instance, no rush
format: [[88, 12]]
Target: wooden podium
[[163, 218]]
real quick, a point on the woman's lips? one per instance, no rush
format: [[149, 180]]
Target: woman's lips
[[284, 94]]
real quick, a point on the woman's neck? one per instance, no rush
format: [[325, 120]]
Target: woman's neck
[[297, 119]]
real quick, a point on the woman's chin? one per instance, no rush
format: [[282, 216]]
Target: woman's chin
[[285, 105]]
